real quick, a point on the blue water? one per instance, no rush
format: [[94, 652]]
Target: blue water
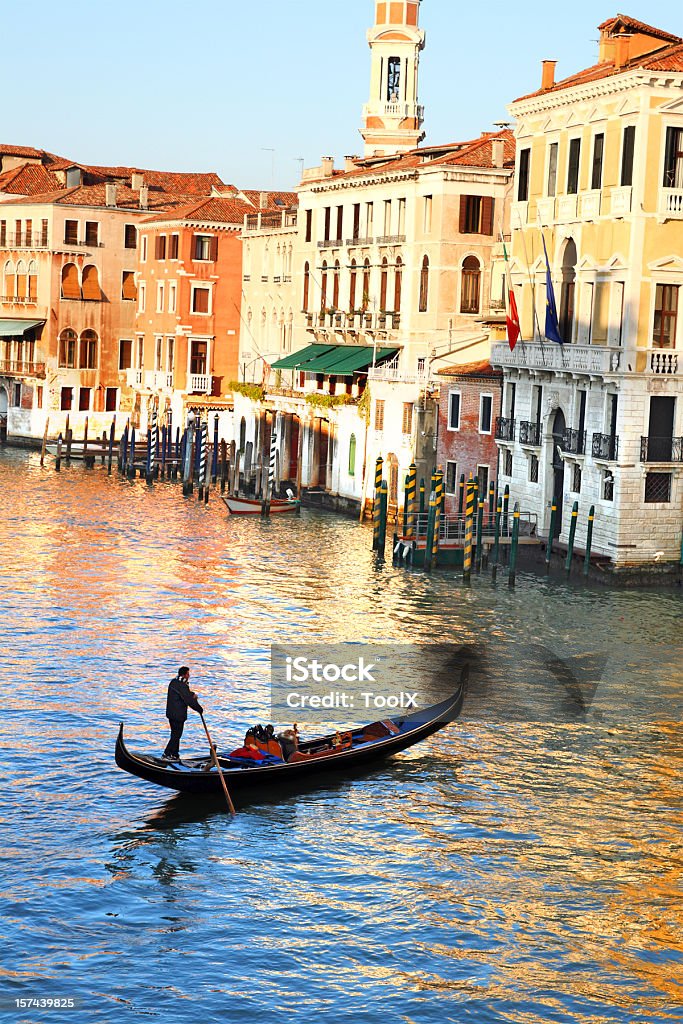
[[516, 868]]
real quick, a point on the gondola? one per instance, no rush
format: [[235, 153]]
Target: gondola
[[197, 775]]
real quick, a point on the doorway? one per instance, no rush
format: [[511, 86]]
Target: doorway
[[559, 426], [4, 404]]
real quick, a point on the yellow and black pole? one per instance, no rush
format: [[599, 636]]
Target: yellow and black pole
[[572, 535], [411, 486], [496, 540], [383, 502], [589, 541], [513, 545], [431, 523], [469, 530], [551, 536], [375, 505], [439, 497]]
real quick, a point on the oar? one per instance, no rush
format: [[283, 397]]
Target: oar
[[215, 761]]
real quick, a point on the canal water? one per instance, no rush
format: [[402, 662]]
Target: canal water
[[522, 866]]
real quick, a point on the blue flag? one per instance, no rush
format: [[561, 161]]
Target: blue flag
[[552, 326]]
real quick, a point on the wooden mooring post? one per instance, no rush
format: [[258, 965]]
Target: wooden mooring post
[[572, 535], [42, 450], [110, 452], [383, 508], [551, 536], [589, 541], [513, 545]]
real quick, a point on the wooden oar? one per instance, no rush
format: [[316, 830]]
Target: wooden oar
[[215, 761]]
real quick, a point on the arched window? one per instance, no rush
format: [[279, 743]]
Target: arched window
[[21, 280], [87, 359], [91, 284], [394, 79], [366, 284], [470, 285], [323, 288], [383, 283], [424, 285], [335, 285], [71, 286], [352, 455], [243, 434], [67, 348], [398, 284], [352, 286], [569, 259], [33, 280], [9, 280], [307, 285]]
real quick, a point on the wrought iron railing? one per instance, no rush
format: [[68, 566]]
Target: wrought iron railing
[[359, 241], [661, 449], [452, 527], [505, 428], [529, 432], [574, 441], [24, 240], [606, 447]]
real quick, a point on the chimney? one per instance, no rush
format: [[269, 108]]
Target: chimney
[[136, 181], [328, 166], [622, 49], [350, 163], [144, 197], [548, 73], [110, 194], [497, 152], [263, 200]]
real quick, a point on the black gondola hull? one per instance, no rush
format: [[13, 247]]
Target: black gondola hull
[[243, 783]]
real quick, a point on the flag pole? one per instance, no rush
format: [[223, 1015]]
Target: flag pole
[[508, 303], [531, 285]]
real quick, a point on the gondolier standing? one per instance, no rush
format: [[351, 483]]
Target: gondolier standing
[[180, 697]]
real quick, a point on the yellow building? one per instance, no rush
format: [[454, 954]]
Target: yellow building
[[599, 179]]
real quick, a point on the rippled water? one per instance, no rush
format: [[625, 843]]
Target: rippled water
[[518, 867]]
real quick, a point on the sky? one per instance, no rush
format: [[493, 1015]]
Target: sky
[[250, 90]]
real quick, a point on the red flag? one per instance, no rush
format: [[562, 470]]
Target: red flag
[[512, 321]]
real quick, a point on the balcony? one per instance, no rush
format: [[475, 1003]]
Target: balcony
[[605, 447], [134, 377], [590, 359], [661, 449], [574, 442], [391, 239], [662, 361], [530, 433], [331, 243], [21, 368], [392, 372], [671, 203], [359, 241], [157, 380], [200, 384], [19, 300], [505, 429], [27, 240]]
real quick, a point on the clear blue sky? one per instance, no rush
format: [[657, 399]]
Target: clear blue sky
[[215, 84]]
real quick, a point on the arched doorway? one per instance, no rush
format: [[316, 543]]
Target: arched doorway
[[559, 426], [392, 463], [4, 404], [567, 292]]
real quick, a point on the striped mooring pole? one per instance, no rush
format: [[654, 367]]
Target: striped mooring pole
[[431, 527], [154, 447], [131, 454], [148, 460], [110, 453], [572, 535], [202, 444], [438, 491], [383, 504], [551, 536], [272, 461], [506, 511], [496, 539], [422, 495], [411, 487], [469, 530], [480, 530], [214, 457], [375, 505], [513, 545], [589, 541]]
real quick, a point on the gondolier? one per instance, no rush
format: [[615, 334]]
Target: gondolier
[[180, 697]]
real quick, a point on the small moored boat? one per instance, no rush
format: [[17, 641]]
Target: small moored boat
[[369, 744], [254, 506]]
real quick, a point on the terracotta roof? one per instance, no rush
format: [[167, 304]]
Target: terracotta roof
[[480, 369], [95, 195], [623, 21], [276, 200], [25, 151], [182, 182], [216, 210], [28, 180]]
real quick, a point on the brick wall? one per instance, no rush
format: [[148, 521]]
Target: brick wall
[[468, 447]]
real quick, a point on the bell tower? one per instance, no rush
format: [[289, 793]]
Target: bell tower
[[392, 119]]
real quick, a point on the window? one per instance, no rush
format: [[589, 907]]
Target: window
[[39, 396], [71, 288], [28, 233], [379, 414], [66, 399], [141, 351], [600, 320], [369, 220], [201, 299], [398, 284], [507, 463], [352, 455], [92, 233], [393, 79], [16, 395], [470, 285], [33, 280], [335, 284], [598, 153], [307, 286], [309, 225], [576, 478], [88, 351], [125, 354], [205, 247], [673, 158], [91, 284], [485, 413], [627, 151], [551, 185], [483, 481], [130, 241], [424, 285], [327, 214], [366, 283], [160, 247], [340, 222], [3, 233], [142, 297], [143, 254], [84, 399], [387, 216], [172, 296], [158, 353], [476, 215], [353, 278], [573, 169], [111, 399], [523, 179], [21, 280], [170, 352], [533, 469], [407, 427], [383, 283], [71, 232], [657, 488], [401, 228], [608, 486], [666, 316], [43, 232], [451, 478], [161, 296], [427, 221], [173, 246], [128, 290], [67, 348], [323, 288], [454, 410]]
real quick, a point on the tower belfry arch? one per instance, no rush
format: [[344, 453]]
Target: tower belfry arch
[[392, 118]]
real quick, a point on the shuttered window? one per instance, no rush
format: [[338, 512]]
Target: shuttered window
[[476, 215], [160, 247], [573, 170], [200, 300], [173, 247], [71, 288], [32, 280], [598, 151], [128, 289], [628, 149], [91, 284], [87, 359], [523, 179], [92, 232], [424, 285], [71, 232], [130, 240], [205, 247]]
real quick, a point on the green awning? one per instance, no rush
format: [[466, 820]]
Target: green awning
[[296, 359], [345, 360], [14, 328]]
